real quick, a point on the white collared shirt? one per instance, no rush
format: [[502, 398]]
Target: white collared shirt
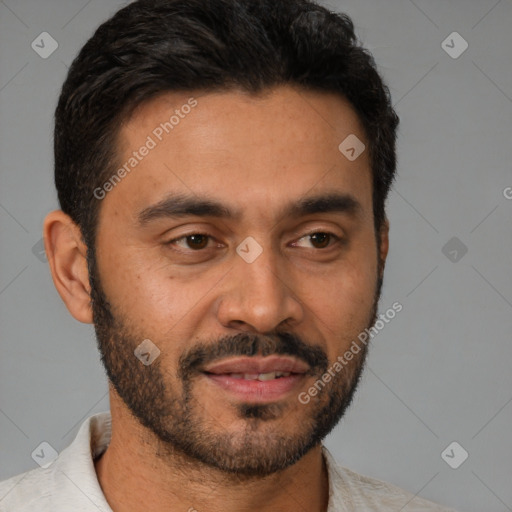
[[70, 483]]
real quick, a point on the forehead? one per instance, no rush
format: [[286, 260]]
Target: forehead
[[242, 149]]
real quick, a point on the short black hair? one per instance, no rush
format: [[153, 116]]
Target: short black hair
[[151, 47]]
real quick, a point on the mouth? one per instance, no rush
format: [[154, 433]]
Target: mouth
[[257, 379], [255, 376]]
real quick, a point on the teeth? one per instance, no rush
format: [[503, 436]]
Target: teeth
[[267, 376], [259, 376]]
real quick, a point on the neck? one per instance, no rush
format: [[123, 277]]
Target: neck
[[133, 466]]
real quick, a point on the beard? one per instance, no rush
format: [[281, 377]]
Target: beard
[[176, 419]]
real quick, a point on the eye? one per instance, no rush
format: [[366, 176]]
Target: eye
[[195, 241], [320, 239]]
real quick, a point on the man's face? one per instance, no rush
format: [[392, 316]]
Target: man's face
[[301, 288]]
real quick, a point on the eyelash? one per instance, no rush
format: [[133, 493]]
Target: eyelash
[[336, 240]]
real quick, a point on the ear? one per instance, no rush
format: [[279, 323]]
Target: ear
[[66, 255], [383, 245]]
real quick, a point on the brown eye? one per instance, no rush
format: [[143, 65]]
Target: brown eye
[[320, 240], [197, 241]]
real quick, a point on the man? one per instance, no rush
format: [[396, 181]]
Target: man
[[222, 168]]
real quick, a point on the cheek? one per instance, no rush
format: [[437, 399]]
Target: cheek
[[346, 300], [343, 302], [136, 289], [154, 300], [162, 300]]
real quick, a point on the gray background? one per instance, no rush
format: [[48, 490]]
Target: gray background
[[439, 372]]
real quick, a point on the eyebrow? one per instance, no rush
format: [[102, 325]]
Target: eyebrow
[[178, 206]]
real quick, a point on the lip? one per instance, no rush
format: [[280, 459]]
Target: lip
[[257, 365], [256, 391]]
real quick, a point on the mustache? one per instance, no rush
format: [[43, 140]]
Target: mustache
[[247, 344]]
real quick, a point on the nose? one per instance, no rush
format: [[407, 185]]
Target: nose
[[259, 296]]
